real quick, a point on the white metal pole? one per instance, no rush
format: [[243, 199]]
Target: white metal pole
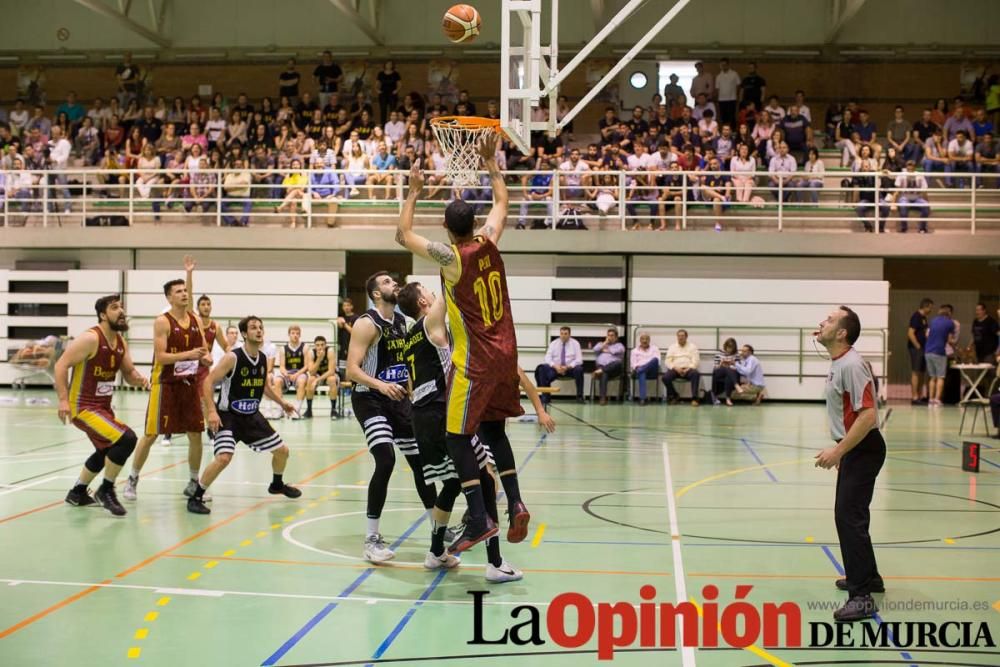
[[973, 203]]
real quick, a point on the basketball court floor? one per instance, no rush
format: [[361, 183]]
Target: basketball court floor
[[266, 581]]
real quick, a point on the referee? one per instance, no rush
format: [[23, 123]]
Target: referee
[[858, 457]]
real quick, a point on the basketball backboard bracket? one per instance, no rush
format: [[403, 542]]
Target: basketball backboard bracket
[[530, 72]]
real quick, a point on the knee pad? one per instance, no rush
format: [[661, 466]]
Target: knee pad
[[95, 462], [123, 448], [450, 491], [385, 457], [494, 434]]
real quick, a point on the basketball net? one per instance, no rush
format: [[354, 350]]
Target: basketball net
[[459, 138]]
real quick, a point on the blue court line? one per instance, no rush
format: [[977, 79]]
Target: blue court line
[[758, 460], [387, 642], [995, 465], [807, 545], [878, 619]]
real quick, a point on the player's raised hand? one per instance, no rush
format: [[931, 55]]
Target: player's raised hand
[[189, 263], [416, 179], [488, 146]]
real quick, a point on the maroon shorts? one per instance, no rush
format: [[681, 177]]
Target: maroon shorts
[[471, 402], [174, 408], [100, 425]]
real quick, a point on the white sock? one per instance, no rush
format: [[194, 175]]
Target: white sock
[[372, 527], [194, 474]]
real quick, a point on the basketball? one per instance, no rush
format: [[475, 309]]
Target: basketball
[[461, 23]]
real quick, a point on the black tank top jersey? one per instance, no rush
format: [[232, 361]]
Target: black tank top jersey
[[295, 359], [428, 365], [243, 388], [324, 364], [386, 358]]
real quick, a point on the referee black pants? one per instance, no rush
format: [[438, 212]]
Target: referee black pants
[[855, 486]]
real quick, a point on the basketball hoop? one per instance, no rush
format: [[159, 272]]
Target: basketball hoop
[[459, 138]]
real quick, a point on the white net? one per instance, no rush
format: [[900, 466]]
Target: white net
[[459, 144]]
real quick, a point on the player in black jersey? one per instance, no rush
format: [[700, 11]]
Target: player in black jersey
[[321, 372], [376, 365], [291, 373], [236, 417]]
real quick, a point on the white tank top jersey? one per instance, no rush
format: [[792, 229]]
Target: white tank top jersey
[[849, 389]]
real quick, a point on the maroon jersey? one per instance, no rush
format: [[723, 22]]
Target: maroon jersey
[[93, 381], [210, 335], [180, 339], [482, 328]]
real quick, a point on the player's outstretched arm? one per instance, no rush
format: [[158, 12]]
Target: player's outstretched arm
[[544, 418], [435, 325], [497, 218], [81, 349], [435, 251]]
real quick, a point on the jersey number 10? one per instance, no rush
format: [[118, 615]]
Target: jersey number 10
[[491, 298]]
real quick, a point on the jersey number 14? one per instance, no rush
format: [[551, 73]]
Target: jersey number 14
[[490, 294]]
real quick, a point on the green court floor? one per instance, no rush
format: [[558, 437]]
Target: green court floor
[[266, 581]]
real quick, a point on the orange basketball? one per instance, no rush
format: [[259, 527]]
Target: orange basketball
[[461, 23]]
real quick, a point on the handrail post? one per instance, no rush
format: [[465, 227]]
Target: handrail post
[[684, 201], [131, 197], [801, 356], [83, 200], [45, 200], [878, 209], [973, 203], [307, 202], [781, 202], [556, 196], [218, 199], [621, 198]]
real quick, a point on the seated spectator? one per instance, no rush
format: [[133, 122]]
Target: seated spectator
[[357, 166], [744, 169], [935, 152], [986, 160], [381, 179], [957, 122], [537, 190], [800, 102], [981, 124], [262, 164], [682, 362], [868, 131], [842, 136], [716, 189], [814, 170], [762, 132], [708, 128], [608, 125], [168, 141], [236, 190], [573, 178], [201, 193], [194, 136], [19, 116], [147, 178], [912, 194], [960, 154], [610, 362], [701, 105], [751, 373], [87, 143], [866, 167], [644, 362], [133, 147], [898, 131], [671, 192], [564, 358], [395, 128], [725, 145], [782, 169], [797, 133], [236, 131], [437, 178], [110, 165], [774, 110], [914, 148], [325, 187], [294, 187], [20, 185], [114, 135], [725, 377]]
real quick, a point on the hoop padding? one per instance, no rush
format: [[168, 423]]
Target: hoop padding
[[459, 138]]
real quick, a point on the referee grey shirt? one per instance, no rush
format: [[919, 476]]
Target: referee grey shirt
[[849, 389]]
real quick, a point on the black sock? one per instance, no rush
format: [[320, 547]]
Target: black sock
[[107, 485], [199, 493], [477, 506], [276, 479], [309, 404], [493, 551], [437, 539], [511, 488]]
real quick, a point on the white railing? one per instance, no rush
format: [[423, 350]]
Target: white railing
[[670, 200]]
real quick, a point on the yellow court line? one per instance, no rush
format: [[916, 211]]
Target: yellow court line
[[228, 553], [210, 564], [151, 616], [753, 648], [246, 543], [163, 602], [142, 633], [194, 575], [134, 652], [538, 536], [275, 526]]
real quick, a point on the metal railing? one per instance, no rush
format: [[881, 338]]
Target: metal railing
[[669, 200]]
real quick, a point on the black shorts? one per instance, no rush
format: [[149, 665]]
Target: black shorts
[[385, 421], [917, 362], [428, 426], [252, 430]]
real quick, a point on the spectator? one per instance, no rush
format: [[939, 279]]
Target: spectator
[[815, 169], [940, 333], [753, 88], [109, 166], [644, 362], [898, 131], [564, 358], [748, 366], [194, 136], [868, 131], [127, 76], [939, 114], [671, 191], [744, 167], [912, 194], [701, 105], [202, 190], [725, 378], [294, 187], [986, 160], [916, 341], [800, 102], [774, 109], [177, 113], [304, 110], [395, 129], [682, 362], [357, 165], [708, 128], [727, 87], [782, 170], [60, 149], [608, 125], [388, 94], [762, 132], [288, 82], [949, 349], [243, 108], [236, 131], [985, 335], [39, 122], [866, 167], [925, 126], [149, 125], [981, 124], [537, 189], [383, 163], [573, 178], [168, 141], [327, 76], [148, 177], [844, 138], [935, 152], [960, 154], [957, 122], [797, 133], [19, 118], [74, 110], [914, 148], [717, 189], [236, 189], [161, 110], [610, 362], [673, 95], [87, 143], [703, 83]]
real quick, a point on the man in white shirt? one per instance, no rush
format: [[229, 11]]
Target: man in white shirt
[[682, 363], [703, 83], [644, 362], [912, 194], [573, 178], [782, 169], [564, 358], [59, 150], [395, 128], [727, 89], [960, 151]]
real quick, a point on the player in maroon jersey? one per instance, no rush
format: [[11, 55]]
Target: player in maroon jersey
[[483, 382], [210, 329], [95, 357]]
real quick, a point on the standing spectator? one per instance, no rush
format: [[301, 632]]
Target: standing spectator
[[327, 75], [610, 362], [916, 341], [814, 170], [388, 90], [288, 82], [127, 76], [957, 122], [940, 333], [564, 358], [985, 335], [912, 194], [898, 131], [727, 87], [645, 362], [724, 374], [748, 366], [753, 88], [703, 83], [960, 154], [782, 168], [682, 362], [798, 133], [673, 95]]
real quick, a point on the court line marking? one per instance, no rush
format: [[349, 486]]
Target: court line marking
[[756, 458], [20, 625], [21, 487], [538, 536], [687, 652]]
